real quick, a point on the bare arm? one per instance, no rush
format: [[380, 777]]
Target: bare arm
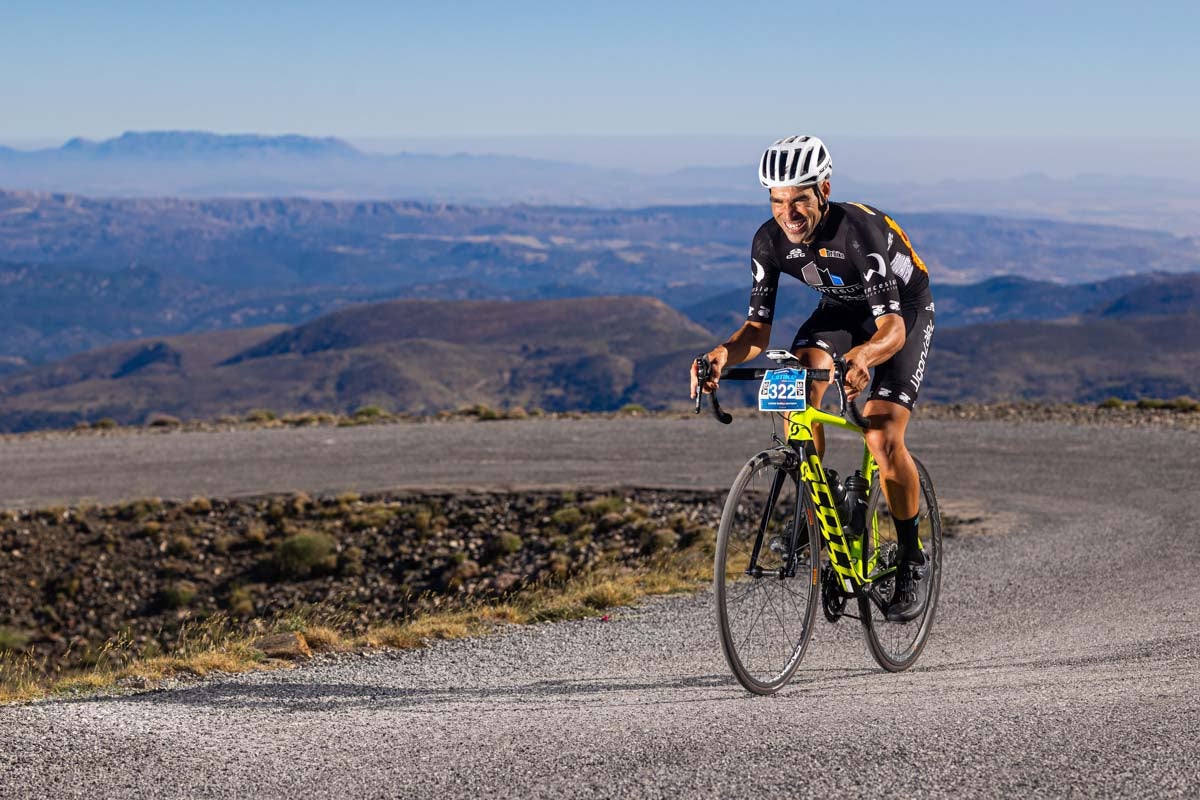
[[888, 340], [746, 343]]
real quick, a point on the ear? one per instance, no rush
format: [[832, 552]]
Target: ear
[[825, 187]]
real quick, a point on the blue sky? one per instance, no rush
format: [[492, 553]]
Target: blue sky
[[461, 70]]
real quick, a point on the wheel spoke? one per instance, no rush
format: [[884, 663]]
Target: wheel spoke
[[765, 622]]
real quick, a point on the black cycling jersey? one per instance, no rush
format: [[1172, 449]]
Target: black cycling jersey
[[860, 259]]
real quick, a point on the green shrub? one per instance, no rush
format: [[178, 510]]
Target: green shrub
[[369, 412], [605, 505], [1185, 404], [255, 533], [505, 544], [12, 640], [306, 553], [633, 409], [660, 539], [198, 506], [163, 421], [372, 517], [179, 594], [351, 562], [181, 547], [138, 509], [241, 602], [261, 415], [1112, 402], [567, 517], [105, 424]]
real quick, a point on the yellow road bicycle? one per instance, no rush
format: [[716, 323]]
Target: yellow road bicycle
[[794, 536]]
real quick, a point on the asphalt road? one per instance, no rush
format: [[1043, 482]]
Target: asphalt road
[[1064, 661]]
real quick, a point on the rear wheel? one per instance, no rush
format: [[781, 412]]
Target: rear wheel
[[896, 645], [765, 573]]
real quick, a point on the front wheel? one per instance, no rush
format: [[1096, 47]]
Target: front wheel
[[765, 573], [896, 645]]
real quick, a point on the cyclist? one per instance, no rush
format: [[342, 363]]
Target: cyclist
[[875, 309]]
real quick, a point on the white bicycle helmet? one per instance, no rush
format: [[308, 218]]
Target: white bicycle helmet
[[795, 161]]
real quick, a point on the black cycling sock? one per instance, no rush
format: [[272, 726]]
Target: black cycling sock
[[906, 536]]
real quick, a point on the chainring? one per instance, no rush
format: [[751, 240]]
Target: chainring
[[833, 599]]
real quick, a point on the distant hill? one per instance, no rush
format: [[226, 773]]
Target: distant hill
[[202, 164], [593, 353], [1175, 294], [1086, 360], [577, 354], [1005, 297], [666, 251], [1010, 297], [203, 146]]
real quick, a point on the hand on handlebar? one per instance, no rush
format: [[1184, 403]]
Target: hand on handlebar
[[717, 357], [857, 377]]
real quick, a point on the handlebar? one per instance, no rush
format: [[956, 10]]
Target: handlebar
[[837, 375]]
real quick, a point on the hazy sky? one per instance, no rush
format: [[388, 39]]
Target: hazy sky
[[461, 71]]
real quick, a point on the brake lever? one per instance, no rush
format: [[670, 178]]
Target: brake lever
[[848, 409], [703, 375]]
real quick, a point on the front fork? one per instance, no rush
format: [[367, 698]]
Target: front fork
[[788, 570]]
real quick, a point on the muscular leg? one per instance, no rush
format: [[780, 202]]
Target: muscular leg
[[816, 358], [897, 472]]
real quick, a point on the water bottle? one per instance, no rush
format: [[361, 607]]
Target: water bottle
[[838, 491], [856, 487]]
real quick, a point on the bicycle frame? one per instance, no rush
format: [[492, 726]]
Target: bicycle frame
[[853, 573]]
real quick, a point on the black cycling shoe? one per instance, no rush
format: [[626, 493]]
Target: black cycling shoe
[[908, 600]]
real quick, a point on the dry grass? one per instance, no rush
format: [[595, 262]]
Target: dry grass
[[217, 645]]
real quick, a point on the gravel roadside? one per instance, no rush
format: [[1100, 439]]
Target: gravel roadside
[[1059, 664]]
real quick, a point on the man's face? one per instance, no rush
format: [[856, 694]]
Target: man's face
[[798, 210]]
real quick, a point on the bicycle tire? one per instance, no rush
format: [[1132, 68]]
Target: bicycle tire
[[764, 658], [896, 646]]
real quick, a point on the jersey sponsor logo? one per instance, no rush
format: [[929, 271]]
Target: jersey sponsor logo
[[878, 271], [891, 238], [881, 288], [830, 254], [919, 373], [893, 305], [760, 272], [904, 398], [764, 312], [904, 238], [854, 292], [883, 391], [877, 311], [796, 252], [902, 266], [816, 276]]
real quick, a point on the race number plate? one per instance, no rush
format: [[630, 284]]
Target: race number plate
[[782, 390]]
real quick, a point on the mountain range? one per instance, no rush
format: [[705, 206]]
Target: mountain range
[[595, 353], [202, 164], [77, 273]]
